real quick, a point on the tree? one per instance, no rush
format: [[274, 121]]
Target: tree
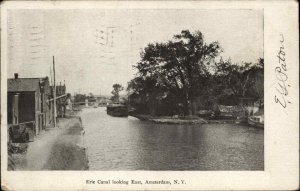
[[91, 95], [240, 80], [115, 92], [178, 74], [256, 89], [147, 94], [181, 65], [80, 98]]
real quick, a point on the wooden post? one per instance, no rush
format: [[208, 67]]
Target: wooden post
[[54, 94], [15, 109]]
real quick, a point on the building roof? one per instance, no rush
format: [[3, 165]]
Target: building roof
[[24, 84]]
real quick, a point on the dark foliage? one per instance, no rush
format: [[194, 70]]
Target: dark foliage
[[172, 76]]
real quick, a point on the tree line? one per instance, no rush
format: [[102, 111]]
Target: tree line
[[183, 75]]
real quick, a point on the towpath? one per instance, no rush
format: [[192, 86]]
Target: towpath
[[55, 149]]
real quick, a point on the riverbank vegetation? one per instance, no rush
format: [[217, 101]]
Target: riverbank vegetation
[[186, 75], [117, 88]]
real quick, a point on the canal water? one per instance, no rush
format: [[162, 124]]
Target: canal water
[[130, 144]]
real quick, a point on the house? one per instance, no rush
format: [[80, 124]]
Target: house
[[27, 103]]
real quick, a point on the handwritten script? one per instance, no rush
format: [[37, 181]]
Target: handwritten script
[[281, 76]]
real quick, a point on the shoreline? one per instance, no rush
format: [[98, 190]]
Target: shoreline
[[195, 120]]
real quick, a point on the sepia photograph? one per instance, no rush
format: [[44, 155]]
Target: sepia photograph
[[130, 95], [118, 90]]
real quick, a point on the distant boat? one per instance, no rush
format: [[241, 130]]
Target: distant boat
[[256, 121], [117, 110]]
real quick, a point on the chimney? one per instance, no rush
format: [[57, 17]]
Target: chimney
[[16, 75]]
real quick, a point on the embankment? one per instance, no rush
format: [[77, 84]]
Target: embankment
[[67, 152], [171, 120], [55, 149], [186, 120]]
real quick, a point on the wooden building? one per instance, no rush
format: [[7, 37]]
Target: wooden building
[[27, 103]]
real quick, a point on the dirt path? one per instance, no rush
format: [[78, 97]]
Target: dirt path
[[55, 149], [66, 154]]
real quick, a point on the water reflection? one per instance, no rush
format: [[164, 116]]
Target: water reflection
[[131, 144]]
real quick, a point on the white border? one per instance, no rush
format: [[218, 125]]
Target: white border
[[281, 129]]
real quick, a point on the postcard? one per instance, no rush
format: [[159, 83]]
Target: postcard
[[149, 95]]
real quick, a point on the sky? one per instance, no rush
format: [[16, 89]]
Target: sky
[[94, 48]]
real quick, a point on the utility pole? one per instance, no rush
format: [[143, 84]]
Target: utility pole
[[54, 93], [51, 83]]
